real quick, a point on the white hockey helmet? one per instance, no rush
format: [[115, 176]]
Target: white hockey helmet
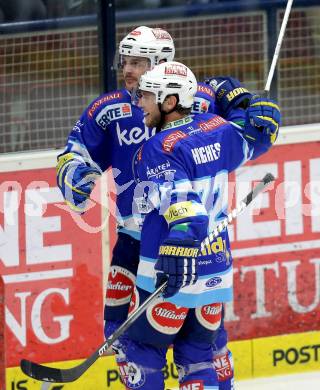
[[153, 43], [170, 78]]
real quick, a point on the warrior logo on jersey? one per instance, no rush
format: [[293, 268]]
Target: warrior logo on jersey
[[113, 112], [161, 34], [120, 286], [209, 316], [166, 317], [176, 69], [170, 140]]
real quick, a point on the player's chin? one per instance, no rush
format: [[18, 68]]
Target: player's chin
[[131, 84]]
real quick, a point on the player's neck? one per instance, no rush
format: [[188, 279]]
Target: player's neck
[[180, 121], [172, 117]]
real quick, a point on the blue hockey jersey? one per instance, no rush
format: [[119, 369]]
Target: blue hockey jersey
[[109, 132], [182, 175]]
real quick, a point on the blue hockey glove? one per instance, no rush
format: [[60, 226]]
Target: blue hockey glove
[[230, 94], [262, 121], [177, 262], [76, 179]]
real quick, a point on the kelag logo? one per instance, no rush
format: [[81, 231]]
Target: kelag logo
[[296, 356]]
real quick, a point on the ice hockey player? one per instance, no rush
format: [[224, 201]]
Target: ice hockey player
[[107, 135], [183, 174]]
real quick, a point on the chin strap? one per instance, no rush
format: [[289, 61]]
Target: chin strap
[[162, 118]]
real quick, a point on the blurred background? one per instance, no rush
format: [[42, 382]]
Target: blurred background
[[49, 56]]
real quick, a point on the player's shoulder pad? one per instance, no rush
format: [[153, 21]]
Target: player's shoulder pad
[[112, 104], [206, 91]]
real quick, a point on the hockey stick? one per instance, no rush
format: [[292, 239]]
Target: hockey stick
[[278, 46], [268, 178], [58, 375], [51, 374]]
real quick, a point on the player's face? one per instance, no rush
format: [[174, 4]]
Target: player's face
[[147, 101], [133, 68]]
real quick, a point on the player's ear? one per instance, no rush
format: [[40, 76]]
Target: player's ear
[[170, 103]]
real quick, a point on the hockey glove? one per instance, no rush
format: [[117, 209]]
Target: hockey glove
[[262, 121], [177, 262], [230, 94], [76, 179]]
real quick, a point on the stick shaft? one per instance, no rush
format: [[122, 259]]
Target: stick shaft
[[278, 46]]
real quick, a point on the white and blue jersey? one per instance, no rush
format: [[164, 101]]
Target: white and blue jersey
[[183, 173]]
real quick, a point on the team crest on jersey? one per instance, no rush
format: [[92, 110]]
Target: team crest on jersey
[[176, 69], [120, 286], [209, 316], [112, 113], [134, 376], [170, 140], [161, 34], [166, 317]]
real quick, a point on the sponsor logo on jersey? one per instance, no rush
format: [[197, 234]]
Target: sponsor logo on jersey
[[223, 367], [119, 287], [112, 113], [161, 34], [160, 170], [200, 105], [170, 140], [135, 136], [176, 69], [104, 99], [206, 154], [205, 89], [212, 123], [209, 316], [191, 385], [78, 126], [213, 281], [166, 317]]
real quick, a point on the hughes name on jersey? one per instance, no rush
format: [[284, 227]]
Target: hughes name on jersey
[[182, 172]]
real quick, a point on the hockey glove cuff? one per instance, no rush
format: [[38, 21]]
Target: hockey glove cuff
[[230, 94]]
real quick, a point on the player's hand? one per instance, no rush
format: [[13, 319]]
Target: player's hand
[[262, 121], [177, 263], [229, 93], [76, 180]]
